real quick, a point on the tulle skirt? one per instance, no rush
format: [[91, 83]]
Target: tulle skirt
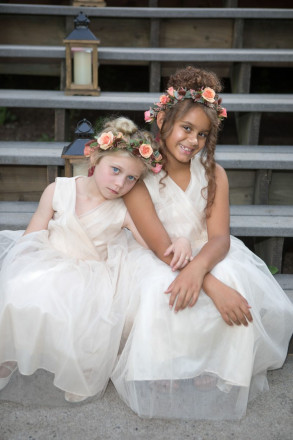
[[60, 314], [191, 364]]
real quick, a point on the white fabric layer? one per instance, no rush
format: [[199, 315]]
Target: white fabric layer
[[60, 309], [192, 364]]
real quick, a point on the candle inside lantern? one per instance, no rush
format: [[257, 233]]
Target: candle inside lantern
[[82, 65]]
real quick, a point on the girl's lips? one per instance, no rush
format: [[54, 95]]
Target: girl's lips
[[186, 150], [112, 191]]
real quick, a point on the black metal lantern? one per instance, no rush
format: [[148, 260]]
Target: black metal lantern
[[74, 152], [81, 59]]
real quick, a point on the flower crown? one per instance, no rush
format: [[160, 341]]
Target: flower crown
[[139, 148], [205, 96]]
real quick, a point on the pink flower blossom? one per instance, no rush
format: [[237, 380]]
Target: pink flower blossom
[[87, 150], [105, 140], [223, 113], [171, 91], [145, 150], [164, 99], [209, 94], [157, 168], [147, 116]]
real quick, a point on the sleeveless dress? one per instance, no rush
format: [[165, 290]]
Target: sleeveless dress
[[60, 309], [191, 364]]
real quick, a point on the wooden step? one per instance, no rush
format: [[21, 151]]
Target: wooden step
[[151, 12], [255, 102], [156, 54]]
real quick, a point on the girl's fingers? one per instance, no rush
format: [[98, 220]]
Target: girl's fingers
[[188, 298], [227, 319], [178, 297], [247, 313], [170, 288], [181, 262], [172, 300], [169, 250], [193, 299]]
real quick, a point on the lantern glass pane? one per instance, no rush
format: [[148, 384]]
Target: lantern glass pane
[[82, 65]]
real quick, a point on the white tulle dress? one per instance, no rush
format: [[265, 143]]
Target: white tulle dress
[[60, 309], [192, 365]]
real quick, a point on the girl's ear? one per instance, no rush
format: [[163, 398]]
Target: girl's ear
[[160, 119]]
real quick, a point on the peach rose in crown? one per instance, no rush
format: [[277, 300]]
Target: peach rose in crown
[[145, 150], [164, 99], [209, 94], [105, 140]]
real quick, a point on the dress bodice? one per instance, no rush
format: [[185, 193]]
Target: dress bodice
[[181, 212], [93, 230]]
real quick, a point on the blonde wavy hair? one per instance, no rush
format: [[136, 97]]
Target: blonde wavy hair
[[130, 132]]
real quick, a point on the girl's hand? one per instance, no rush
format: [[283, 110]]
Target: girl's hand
[[185, 288], [182, 253], [231, 304]]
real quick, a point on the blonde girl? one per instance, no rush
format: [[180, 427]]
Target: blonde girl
[[60, 309]]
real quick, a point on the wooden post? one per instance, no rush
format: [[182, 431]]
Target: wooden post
[[240, 77], [248, 125], [270, 250], [61, 124], [155, 66], [52, 173], [261, 187]]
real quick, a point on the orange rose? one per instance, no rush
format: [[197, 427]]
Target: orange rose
[[145, 150], [209, 94], [164, 99], [105, 140]]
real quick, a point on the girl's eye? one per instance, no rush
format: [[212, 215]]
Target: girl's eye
[[115, 170], [204, 135], [131, 178], [187, 128]]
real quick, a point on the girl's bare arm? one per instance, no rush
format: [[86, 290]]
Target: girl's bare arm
[[44, 212], [147, 222], [187, 285]]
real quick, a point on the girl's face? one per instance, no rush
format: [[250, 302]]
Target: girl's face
[[116, 174], [188, 136]]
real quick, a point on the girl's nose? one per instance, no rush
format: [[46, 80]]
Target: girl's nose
[[193, 139], [119, 181]]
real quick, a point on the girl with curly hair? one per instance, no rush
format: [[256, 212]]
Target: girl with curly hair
[[201, 340]]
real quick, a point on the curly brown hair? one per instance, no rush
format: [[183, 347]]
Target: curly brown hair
[[195, 78]]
